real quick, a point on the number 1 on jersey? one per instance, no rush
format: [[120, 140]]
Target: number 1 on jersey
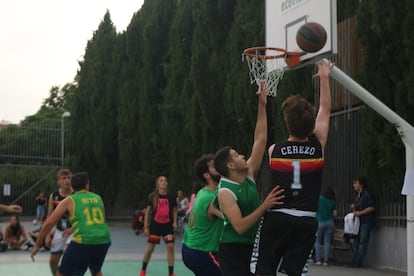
[[296, 175]]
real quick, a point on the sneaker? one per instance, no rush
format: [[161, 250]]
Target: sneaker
[[29, 245], [325, 263], [143, 272], [171, 274], [318, 263]]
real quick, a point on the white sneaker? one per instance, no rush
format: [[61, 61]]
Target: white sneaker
[[325, 263], [318, 263]]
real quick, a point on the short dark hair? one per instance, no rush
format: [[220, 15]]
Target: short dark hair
[[221, 158], [299, 116], [362, 181], [79, 180], [201, 166]]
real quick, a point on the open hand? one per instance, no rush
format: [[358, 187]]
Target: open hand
[[275, 197]]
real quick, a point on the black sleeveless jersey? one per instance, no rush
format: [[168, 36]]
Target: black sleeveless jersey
[[297, 168], [63, 223]]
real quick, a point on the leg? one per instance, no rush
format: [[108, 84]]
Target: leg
[[148, 252], [327, 240], [318, 243], [54, 262], [361, 247], [170, 253]]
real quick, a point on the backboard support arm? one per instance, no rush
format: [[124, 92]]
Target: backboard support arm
[[406, 132]]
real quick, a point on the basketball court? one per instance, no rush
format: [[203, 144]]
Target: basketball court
[[125, 258]]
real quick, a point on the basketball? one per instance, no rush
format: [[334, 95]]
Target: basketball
[[311, 37]]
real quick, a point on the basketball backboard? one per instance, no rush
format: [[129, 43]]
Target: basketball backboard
[[284, 18]]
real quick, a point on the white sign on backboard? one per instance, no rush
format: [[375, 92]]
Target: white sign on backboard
[[285, 17]]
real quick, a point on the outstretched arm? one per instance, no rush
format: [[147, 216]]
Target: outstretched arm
[[260, 133], [63, 207], [324, 112], [231, 209], [11, 208]]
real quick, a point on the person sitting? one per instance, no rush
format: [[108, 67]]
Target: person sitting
[[15, 234], [3, 243], [138, 221], [34, 233]]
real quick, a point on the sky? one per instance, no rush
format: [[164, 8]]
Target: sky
[[41, 43]]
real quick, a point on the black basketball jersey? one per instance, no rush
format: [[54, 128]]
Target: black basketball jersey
[[297, 168], [63, 223]]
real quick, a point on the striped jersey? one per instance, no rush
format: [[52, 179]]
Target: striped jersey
[[297, 168], [63, 223], [88, 219]]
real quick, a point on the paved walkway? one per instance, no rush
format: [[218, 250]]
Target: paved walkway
[[125, 256]]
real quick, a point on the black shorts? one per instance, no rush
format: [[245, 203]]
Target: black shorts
[[285, 238], [78, 257], [234, 259], [158, 230]]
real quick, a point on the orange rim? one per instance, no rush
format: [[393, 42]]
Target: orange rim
[[252, 52]]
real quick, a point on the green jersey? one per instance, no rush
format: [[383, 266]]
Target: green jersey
[[88, 219], [247, 198], [202, 233]]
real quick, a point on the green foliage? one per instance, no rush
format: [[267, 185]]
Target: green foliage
[[387, 60], [152, 99]]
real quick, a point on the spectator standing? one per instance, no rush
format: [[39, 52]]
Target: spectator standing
[[40, 207], [326, 226], [364, 208]]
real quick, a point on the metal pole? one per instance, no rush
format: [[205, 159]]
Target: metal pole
[[62, 136], [406, 132], [62, 142]]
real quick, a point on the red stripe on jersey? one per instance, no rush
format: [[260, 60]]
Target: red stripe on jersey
[[306, 165]]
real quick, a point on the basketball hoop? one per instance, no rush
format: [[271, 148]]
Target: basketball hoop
[[267, 63]]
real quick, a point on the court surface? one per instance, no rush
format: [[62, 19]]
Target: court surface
[[125, 258]]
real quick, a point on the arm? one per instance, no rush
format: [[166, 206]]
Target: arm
[[213, 212], [13, 208], [63, 207], [175, 216], [364, 212], [241, 224], [147, 220], [270, 150], [50, 204], [23, 236], [322, 118], [7, 234], [260, 133]]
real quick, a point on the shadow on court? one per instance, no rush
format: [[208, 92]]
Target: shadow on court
[[125, 259]]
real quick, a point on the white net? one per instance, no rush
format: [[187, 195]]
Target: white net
[[261, 67]]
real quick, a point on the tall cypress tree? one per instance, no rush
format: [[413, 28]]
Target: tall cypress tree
[[94, 112]]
